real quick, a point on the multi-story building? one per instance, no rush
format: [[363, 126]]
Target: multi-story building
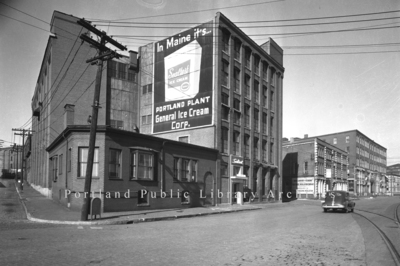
[[213, 86], [393, 179], [10, 160], [393, 169], [367, 161], [311, 167], [215, 116]]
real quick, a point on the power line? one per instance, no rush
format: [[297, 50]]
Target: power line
[[190, 12], [257, 26]]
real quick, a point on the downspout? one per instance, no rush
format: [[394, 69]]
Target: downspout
[[66, 162], [162, 180], [66, 172]]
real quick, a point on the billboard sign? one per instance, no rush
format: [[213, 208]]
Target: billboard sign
[[183, 85], [303, 185]]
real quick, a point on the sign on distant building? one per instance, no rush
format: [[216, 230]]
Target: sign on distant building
[[183, 82], [303, 185]]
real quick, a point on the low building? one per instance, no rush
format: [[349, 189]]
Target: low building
[[131, 171], [311, 167]]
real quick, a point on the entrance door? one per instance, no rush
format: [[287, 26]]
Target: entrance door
[[235, 188]]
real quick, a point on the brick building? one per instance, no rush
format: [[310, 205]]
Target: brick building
[[213, 86], [367, 161], [212, 124], [131, 171], [311, 167]]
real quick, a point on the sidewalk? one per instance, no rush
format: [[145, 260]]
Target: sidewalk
[[38, 208]]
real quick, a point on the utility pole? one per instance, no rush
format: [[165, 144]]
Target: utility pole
[[21, 184], [104, 54]]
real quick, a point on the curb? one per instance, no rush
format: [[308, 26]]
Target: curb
[[127, 221]]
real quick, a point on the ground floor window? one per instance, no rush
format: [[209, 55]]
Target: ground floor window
[[82, 161], [185, 169], [142, 165], [143, 197]]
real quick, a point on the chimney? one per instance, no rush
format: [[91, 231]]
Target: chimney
[[291, 139], [306, 136], [69, 114]]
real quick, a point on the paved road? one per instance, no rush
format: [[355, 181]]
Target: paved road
[[298, 233]]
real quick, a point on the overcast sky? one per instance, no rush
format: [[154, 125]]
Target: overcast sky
[[339, 74]]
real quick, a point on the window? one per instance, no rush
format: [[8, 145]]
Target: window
[[255, 149], [265, 97], [246, 86], [225, 73], [185, 169], [256, 91], [306, 168], [256, 120], [347, 139], [225, 41], [264, 151], [236, 104], [246, 146], [265, 72], [122, 71], [247, 115], [225, 99], [236, 117], [132, 76], [146, 120], [225, 112], [147, 89], [82, 161], [334, 140], [236, 77], [272, 101], [237, 50], [264, 123], [55, 165], [143, 197], [257, 65], [114, 164], [142, 165], [273, 79], [60, 165], [236, 143], [117, 124], [224, 140], [184, 139], [271, 153], [224, 170], [247, 57]]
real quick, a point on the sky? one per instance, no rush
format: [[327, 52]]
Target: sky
[[339, 74]]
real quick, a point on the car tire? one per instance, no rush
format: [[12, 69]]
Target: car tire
[[325, 210]]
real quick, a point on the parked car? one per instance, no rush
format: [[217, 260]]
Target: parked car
[[338, 200]]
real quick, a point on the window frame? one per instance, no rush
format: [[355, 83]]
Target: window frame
[[185, 166], [95, 170], [134, 165], [117, 163]]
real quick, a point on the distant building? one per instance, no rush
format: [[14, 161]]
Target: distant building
[[393, 185], [393, 169], [311, 167], [367, 161]]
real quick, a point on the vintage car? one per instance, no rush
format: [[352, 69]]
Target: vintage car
[[338, 200]]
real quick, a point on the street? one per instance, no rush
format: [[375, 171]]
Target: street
[[296, 233]]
